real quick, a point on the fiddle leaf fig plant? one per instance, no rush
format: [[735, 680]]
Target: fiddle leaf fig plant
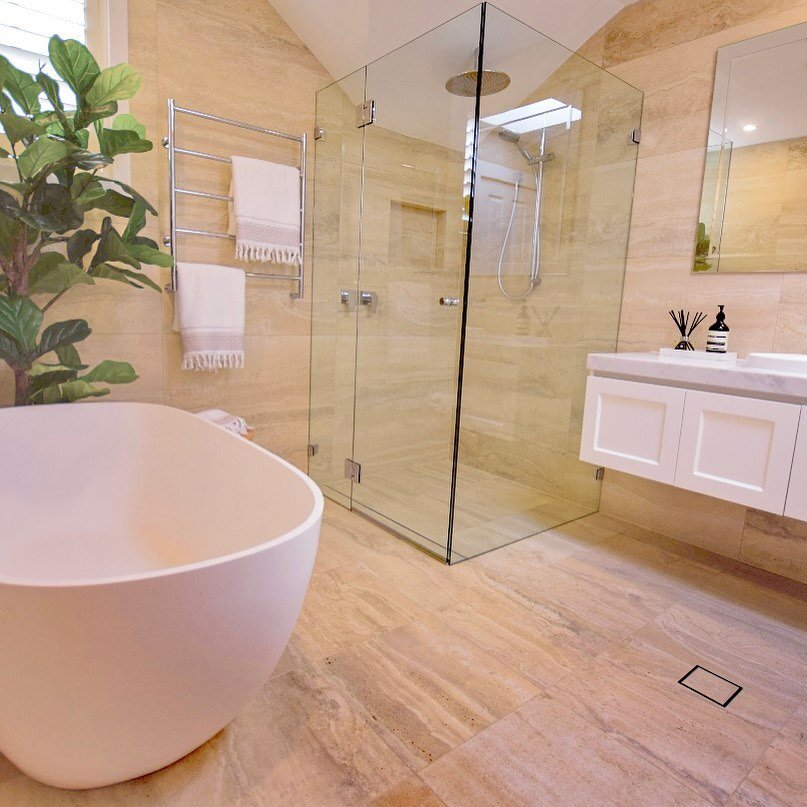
[[64, 222]]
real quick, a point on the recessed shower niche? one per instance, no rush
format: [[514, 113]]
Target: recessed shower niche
[[472, 201]]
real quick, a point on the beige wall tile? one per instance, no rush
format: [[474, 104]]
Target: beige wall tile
[[700, 520], [775, 543]]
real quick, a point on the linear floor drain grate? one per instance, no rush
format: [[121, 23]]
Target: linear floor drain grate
[[711, 686]]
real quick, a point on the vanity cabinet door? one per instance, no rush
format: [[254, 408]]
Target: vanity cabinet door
[[796, 506], [632, 427], [738, 449]]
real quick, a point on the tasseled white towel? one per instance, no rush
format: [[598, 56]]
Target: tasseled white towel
[[265, 211], [209, 314], [225, 420]]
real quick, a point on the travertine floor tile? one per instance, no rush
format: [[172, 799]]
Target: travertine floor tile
[[633, 693], [301, 742], [778, 780], [412, 792], [345, 606], [427, 689], [540, 640], [547, 755]]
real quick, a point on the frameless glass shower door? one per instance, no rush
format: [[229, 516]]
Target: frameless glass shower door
[[470, 237], [412, 263]]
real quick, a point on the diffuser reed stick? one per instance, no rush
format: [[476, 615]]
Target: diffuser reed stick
[[686, 324]]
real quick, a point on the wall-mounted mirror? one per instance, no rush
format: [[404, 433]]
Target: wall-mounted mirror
[[753, 215]]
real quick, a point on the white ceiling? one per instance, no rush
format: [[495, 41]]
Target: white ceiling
[[347, 34]]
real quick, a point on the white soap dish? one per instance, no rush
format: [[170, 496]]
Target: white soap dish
[[689, 356]]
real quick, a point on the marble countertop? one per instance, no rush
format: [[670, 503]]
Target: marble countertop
[[731, 379]]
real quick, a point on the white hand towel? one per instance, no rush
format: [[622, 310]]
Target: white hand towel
[[265, 212], [209, 313], [225, 420]]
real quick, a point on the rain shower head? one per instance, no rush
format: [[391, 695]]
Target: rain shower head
[[464, 84]]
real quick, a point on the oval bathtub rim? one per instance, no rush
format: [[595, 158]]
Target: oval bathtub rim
[[312, 519]]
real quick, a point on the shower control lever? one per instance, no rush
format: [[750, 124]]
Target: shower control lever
[[348, 297], [449, 301], [369, 298]]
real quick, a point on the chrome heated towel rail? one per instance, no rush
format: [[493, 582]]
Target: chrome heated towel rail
[[174, 191]]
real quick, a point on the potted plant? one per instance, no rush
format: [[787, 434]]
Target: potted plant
[[60, 151]]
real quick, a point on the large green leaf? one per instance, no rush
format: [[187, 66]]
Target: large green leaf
[[42, 154], [17, 127], [115, 203], [55, 204], [105, 271], [111, 372], [137, 221], [133, 193], [68, 392], [88, 160], [86, 188], [79, 244], [49, 377], [153, 257], [21, 87], [62, 333], [74, 63], [131, 123], [87, 115], [58, 277], [139, 279], [10, 352], [111, 248], [68, 357], [10, 229], [20, 320], [114, 141], [114, 84]]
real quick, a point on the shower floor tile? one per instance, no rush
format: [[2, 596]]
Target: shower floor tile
[[544, 673], [490, 510]]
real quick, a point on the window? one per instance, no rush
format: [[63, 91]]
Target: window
[[27, 25]]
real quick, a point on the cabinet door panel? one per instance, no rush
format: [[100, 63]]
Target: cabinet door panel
[[632, 427], [738, 449], [796, 506]]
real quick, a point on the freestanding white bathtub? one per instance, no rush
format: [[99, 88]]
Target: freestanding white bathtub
[[152, 568]]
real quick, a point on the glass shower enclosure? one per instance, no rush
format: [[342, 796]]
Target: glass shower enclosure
[[472, 202]]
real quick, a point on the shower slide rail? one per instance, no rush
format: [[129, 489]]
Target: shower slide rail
[[169, 143]]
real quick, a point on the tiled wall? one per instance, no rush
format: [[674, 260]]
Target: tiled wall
[[240, 60], [667, 49]]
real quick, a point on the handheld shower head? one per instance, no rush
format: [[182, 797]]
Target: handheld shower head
[[509, 135]]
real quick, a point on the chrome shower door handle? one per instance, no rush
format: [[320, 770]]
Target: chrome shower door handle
[[348, 297], [370, 299], [449, 301]]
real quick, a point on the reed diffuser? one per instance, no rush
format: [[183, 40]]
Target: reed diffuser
[[686, 324]]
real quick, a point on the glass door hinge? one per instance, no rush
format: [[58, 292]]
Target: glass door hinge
[[365, 114], [313, 449], [636, 136], [319, 132], [353, 471]]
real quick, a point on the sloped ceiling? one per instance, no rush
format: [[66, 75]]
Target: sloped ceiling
[[347, 34]]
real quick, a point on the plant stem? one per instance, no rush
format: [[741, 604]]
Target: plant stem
[[22, 386]]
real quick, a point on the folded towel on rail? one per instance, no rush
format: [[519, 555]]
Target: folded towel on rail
[[265, 211], [209, 314]]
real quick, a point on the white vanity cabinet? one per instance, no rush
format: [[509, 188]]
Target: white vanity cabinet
[[632, 427], [796, 506], [738, 449], [680, 427]]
